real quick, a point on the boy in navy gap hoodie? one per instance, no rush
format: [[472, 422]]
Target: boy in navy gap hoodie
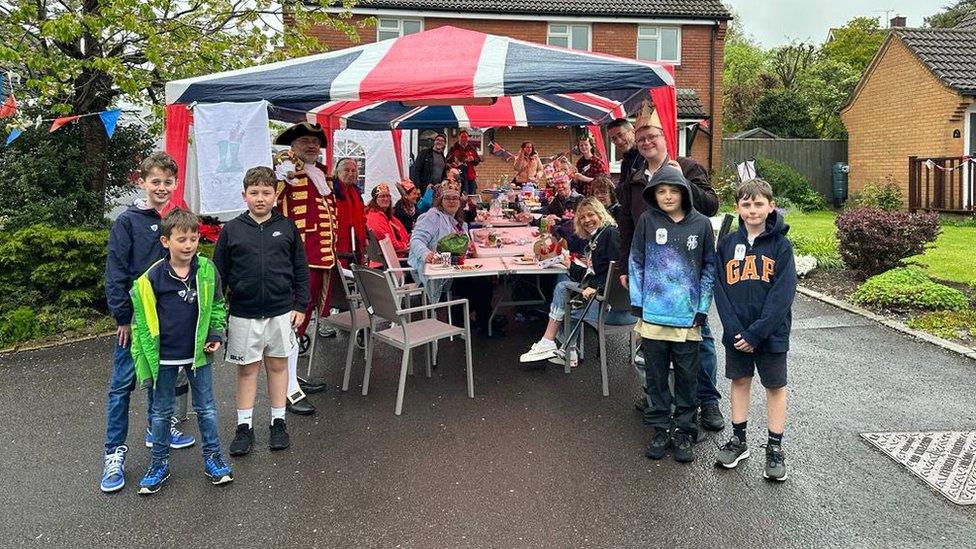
[[672, 269], [261, 257], [754, 296], [134, 245]]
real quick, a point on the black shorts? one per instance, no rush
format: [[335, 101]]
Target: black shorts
[[771, 366]]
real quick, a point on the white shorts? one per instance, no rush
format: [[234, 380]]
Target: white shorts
[[251, 339]]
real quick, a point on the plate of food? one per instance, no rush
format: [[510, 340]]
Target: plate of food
[[525, 261], [467, 267]]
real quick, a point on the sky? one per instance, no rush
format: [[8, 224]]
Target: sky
[[776, 22]]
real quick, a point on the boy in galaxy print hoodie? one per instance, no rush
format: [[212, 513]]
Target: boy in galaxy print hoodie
[[671, 274]]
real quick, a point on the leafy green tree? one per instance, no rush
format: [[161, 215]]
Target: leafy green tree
[[742, 80], [855, 43], [80, 56], [788, 63], [784, 113], [825, 87], [951, 15]]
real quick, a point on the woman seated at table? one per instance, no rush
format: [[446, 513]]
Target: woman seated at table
[[588, 168], [603, 190], [405, 209], [445, 218], [560, 210], [380, 220], [593, 223]]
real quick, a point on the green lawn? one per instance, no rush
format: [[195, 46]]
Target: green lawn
[[952, 258]]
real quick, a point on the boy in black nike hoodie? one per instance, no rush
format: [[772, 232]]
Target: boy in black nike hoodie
[[261, 258], [754, 296]]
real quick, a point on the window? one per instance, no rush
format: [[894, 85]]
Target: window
[[659, 44], [576, 37], [395, 28]]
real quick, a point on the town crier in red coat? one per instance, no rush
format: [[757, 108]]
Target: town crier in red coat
[[307, 198]]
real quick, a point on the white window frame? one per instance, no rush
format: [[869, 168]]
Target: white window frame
[[657, 30], [399, 27], [568, 35], [966, 146]]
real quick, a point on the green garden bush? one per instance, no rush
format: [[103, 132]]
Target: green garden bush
[[873, 241], [883, 197], [823, 248], [947, 324], [789, 184], [909, 288]]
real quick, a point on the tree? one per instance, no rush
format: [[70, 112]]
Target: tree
[[784, 113], [951, 15], [855, 43], [825, 87], [742, 81], [80, 56], [788, 63]]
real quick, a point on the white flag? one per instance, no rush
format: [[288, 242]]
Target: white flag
[[230, 138]]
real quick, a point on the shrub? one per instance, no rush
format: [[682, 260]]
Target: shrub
[[725, 181], [823, 248], [45, 265], [882, 197], [789, 184], [947, 324], [19, 324], [873, 241], [909, 287]]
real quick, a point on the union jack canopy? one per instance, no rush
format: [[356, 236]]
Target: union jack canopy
[[397, 83]]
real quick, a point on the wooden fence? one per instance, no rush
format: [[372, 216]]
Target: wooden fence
[[941, 184], [814, 158]]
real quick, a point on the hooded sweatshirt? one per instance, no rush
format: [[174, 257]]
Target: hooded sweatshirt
[[756, 286], [133, 245], [672, 265]]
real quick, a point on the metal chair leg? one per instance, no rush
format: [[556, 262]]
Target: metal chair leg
[[403, 380], [603, 360], [349, 351], [369, 363], [311, 351]]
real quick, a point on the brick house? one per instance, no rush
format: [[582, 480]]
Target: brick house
[[688, 33], [917, 98]]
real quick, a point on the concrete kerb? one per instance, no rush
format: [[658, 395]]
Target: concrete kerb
[[49, 344], [894, 324]]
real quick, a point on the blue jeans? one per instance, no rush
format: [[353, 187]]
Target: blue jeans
[[707, 393], [120, 389], [201, 385]]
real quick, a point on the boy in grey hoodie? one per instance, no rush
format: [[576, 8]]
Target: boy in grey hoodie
[[671, 274]]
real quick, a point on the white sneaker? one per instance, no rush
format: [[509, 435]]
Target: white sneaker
[[540, 350], [326, 330], [639, 359], [560, 360]]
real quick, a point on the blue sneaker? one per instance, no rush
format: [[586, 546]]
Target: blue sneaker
[[113, 475], [217, 470], [177, 439], [156, 475]]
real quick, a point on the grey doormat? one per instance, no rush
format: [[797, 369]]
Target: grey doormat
[[943, 459]]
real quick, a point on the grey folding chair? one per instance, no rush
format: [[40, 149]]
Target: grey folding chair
[[614, 297], [384, 304], [352, 320]]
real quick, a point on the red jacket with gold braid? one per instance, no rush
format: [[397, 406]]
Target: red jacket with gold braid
[[314, 215]]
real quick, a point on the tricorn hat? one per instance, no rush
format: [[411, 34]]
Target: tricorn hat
[[301, 129]]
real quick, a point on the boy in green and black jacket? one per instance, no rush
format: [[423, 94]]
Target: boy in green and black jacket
[[178, 319]]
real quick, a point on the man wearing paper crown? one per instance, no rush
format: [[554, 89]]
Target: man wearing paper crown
[[305, 196], [653, 155]]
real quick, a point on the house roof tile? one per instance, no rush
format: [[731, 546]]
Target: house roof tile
[[689, 9], [948, 53], [689, 105]]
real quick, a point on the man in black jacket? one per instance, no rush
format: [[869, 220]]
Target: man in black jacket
[[430, 165], [652, 154], [261, 258]]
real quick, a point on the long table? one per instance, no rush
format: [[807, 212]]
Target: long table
[[504, 261], [528, 235]]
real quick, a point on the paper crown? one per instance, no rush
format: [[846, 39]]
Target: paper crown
[[405, 186], [381, 188], [647, 117], [548, 248], [447, 186]]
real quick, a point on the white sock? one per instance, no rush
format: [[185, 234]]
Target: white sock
[[547, 342], [244, 416], [277, 413]]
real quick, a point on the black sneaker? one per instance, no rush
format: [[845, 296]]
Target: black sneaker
[[278, 440], [711, 417], [684, 448], [775, 463], [732, 452], [243, 440], [659, 445]]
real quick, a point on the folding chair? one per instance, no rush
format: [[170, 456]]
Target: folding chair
[[383, 303]]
